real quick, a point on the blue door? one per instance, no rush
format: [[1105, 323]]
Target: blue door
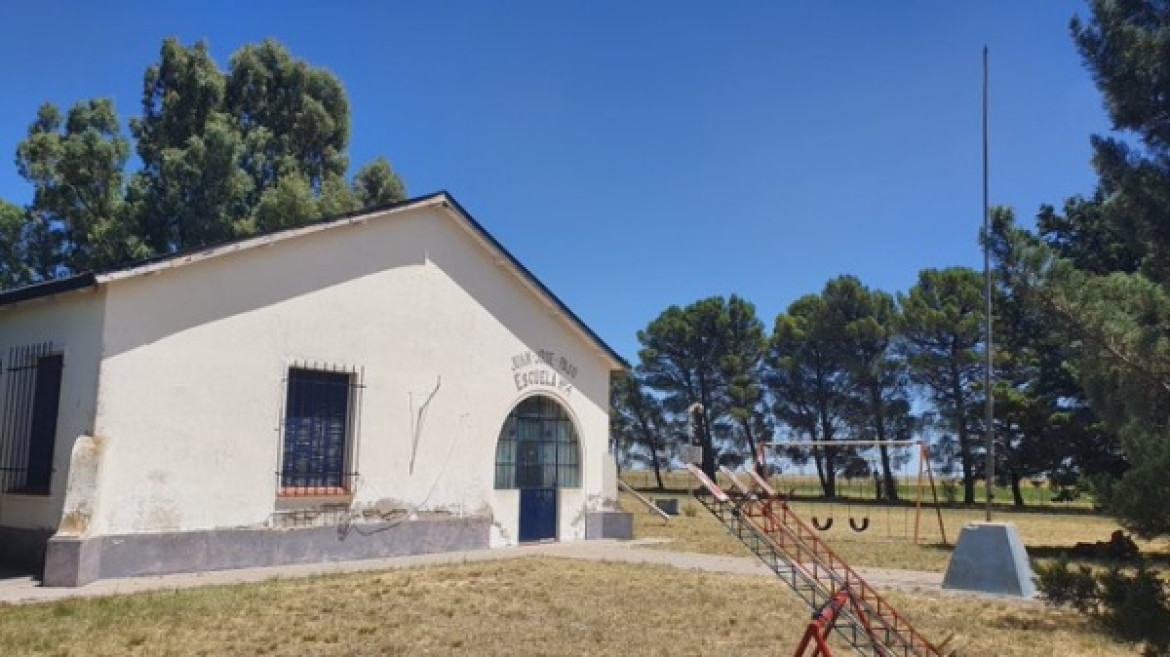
[[538, 514], [538, 454]]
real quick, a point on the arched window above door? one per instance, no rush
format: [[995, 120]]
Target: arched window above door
[[538, 447]]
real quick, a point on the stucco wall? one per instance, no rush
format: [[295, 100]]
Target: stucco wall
[[72, 322], [192, 379]]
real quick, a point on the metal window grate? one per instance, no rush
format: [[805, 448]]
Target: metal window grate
[[317, 454], [28, 422], [538, 447]]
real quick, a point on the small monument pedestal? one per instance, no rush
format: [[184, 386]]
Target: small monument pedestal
[[990, 557]]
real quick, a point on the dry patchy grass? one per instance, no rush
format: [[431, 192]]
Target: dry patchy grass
[[540, 606], [888, 542], [531, 606]]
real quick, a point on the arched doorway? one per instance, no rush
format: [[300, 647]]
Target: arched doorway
[[538, 453]]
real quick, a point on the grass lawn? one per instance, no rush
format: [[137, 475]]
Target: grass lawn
[[531, 606], [888, 543], [546, 606]]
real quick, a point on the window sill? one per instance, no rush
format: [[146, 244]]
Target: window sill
[[313, 491], [35, 493], [296, 500]]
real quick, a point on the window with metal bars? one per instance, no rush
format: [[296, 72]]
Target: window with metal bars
[[538, 447], [318, 453], [28, 422]]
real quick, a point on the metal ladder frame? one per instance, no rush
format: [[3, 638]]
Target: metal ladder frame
[[764, 523]]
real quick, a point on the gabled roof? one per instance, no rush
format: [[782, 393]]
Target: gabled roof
[[441, 200]]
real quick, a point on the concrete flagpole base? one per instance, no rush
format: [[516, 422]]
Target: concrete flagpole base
[[990, 557]]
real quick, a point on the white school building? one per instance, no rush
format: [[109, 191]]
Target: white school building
[[385, 383]]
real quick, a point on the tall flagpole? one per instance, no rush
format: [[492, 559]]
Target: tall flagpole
[[990, 410]]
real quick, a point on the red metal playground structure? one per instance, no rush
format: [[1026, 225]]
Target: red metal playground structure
[[841, 600]]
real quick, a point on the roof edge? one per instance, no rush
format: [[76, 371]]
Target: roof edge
[[170, 261], [47, 288], [174, 260], [537, 286]]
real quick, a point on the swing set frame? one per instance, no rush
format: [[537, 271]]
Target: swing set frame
[[924, 470]]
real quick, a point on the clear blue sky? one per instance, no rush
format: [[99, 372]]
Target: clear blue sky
[[640, 154]]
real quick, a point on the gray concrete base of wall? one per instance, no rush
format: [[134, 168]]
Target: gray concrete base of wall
[[76, 562], [990, 557], [24, 548], [609, 524]]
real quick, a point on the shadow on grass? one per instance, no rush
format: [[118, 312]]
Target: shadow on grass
[[1073, 555], [938, 547]]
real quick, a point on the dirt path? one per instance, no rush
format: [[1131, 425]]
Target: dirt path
[[881, 578]]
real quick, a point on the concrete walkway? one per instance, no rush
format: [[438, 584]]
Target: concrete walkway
[[24, 589]]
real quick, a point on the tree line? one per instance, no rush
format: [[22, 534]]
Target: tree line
[[223, 154], [1082, 315], [856, 363]]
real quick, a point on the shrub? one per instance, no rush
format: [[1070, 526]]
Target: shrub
[[1062, 586], [1130, 605], [1134, 608]]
